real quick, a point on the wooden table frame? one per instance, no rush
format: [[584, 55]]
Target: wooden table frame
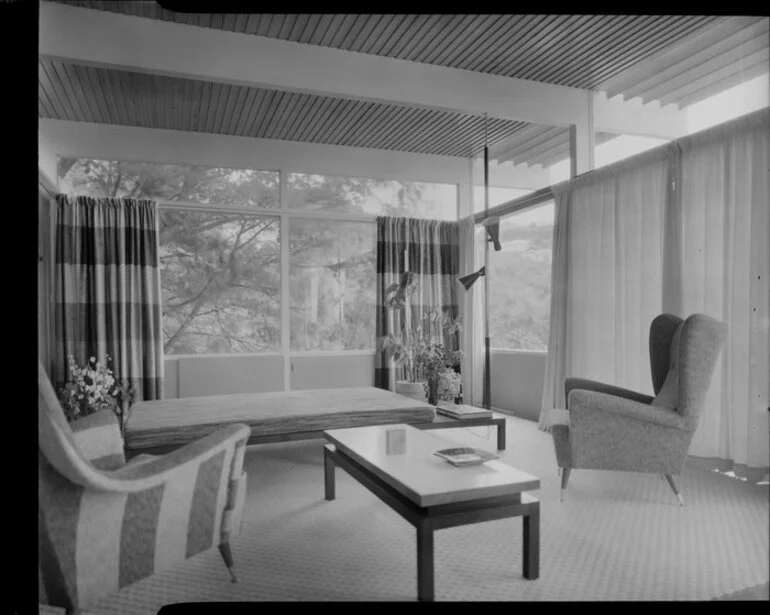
[[430, 518], [439, 422], [447, 422]]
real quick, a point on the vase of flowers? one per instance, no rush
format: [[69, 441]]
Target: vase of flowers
[[94, 387], [442, 381]]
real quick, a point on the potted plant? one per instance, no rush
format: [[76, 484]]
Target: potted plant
[[412, 348], [94, 387], [442, 381]]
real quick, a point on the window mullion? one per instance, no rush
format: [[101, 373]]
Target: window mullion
[[285, 313]]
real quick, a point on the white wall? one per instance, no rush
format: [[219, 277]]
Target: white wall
[[46, 158], [316, 371], [517, 381]]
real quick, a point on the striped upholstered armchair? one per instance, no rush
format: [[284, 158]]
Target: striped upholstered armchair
[[104, 523], [606, 427]]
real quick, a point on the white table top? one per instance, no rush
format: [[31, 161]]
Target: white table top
[[420, 475]]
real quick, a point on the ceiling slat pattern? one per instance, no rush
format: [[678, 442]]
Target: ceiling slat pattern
[[730, 52], [579, 51], [91, 94]]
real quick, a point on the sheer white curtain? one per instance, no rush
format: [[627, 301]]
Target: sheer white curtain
[[607, 276], [725, 231], [472, 306]]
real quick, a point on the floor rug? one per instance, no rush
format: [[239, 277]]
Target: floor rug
[[615, 537]]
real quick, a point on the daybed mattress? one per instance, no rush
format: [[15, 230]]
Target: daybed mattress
[[174, 422]]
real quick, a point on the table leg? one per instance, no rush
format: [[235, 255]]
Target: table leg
[[501, 435], [425, 584], [531, 542], [329, 474]]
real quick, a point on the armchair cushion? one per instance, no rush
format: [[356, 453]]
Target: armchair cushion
[[99, 439], [668, 396]]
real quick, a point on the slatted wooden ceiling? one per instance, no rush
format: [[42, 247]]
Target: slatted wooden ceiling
[[675, 59], [579, 51], [88, 94]]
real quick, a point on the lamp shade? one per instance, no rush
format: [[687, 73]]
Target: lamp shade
[[468, 280], [492, 224]]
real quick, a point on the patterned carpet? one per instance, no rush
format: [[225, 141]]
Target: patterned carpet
[[617, 536]]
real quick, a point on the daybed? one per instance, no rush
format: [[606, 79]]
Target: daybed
[[163, 425]]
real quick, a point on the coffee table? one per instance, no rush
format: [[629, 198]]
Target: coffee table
[[401, 469]]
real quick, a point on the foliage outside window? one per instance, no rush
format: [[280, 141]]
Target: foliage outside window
[[520, 288], [171, 182], [221, 282], [372, 196], [331, 278]]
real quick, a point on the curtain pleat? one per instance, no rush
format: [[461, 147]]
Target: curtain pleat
[[107, 289], [724, 268], [431, 250], [472, 310], [555, 368]]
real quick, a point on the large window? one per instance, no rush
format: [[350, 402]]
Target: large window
[[221, 263], [520, 280], [372, 196]]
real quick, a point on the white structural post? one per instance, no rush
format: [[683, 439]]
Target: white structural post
[[581, 139]]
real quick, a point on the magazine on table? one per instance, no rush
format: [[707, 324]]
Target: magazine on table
[[462, 411], [465, 456]]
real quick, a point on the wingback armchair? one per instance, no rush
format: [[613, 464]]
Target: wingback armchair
[[104, 523], [607, 427]]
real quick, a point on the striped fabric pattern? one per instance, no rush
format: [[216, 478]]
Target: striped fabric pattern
[[431, 250], [107, 289], [140, 518]]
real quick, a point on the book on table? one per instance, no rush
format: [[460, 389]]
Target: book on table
[[463, 411], [465, 456]]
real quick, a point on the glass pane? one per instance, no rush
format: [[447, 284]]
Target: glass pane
[[221, 281], [332, 284], [171, 182], [520, 281], [372, 196], [497, 196]]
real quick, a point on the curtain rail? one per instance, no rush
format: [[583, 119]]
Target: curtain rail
[[517, 204]]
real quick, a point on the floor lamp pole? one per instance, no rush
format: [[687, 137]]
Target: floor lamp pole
[[487, 401]]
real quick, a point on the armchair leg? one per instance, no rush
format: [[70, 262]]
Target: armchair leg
[[671, 482], [227, 555], [565, 472]]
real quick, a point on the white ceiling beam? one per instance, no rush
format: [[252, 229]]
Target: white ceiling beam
[[632, 117], [112, 142], [100, 38]]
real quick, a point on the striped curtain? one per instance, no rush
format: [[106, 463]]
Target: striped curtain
[[107, 289], [431, 250]]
